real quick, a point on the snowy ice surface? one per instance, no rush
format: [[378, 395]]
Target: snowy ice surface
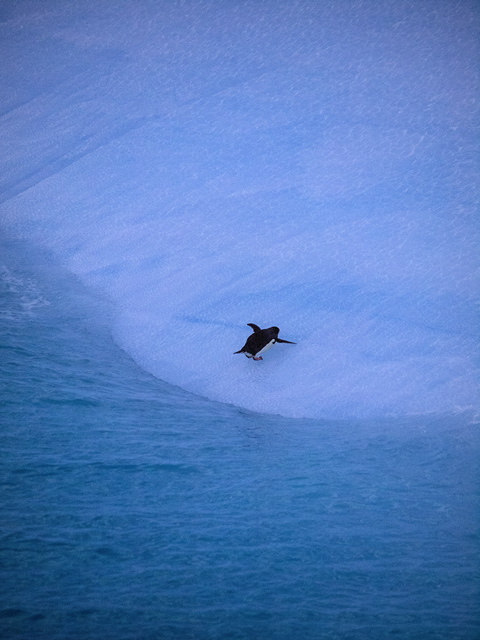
[[304, 164]]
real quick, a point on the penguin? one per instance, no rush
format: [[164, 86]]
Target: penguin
[[260, 341]]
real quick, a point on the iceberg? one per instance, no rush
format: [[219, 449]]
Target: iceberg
[[205, 166]]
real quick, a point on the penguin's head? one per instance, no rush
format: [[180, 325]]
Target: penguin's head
[[275, 329]]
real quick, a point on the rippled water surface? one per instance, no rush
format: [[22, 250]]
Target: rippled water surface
[[134, 510]]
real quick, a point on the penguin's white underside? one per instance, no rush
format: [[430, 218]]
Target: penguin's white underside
[[268, 346]]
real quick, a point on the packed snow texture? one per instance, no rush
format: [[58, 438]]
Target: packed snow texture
[[309, 165]]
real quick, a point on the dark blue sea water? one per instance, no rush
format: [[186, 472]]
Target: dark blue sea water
[[133, 510]]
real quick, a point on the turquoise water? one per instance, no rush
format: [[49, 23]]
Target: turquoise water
[[132, 509]]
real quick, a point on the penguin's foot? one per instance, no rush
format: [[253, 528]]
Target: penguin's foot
[[259, 358]]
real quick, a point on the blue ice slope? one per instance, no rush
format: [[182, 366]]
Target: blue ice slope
[[309, 165]]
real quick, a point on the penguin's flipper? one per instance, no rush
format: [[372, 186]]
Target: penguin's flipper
[[241, 351], [255, 327], [287, 341]]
